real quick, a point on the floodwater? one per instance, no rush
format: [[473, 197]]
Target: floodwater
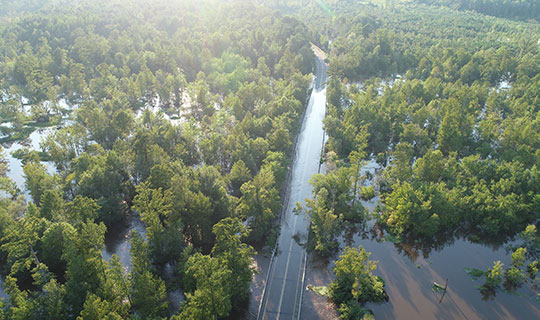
[[3, 294], [15, 165], [117, 241], [410, 271], [283, 292], [32, 143], [117, 237], [409, 277]]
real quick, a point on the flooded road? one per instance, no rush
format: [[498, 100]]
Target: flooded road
[[284, 286]]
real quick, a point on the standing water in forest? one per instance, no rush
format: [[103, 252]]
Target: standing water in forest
[[3, 294], [190, 137], [412, 272]]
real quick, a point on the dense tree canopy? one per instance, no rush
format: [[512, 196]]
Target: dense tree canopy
[[355, 283], [446, 102], [460, 126], [521, 9], [183, 114], [174, 117]]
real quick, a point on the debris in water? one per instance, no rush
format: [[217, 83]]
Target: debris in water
[[437, 287], [320, 290], [474, 273]]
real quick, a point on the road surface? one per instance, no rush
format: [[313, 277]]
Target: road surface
[[283, 293]]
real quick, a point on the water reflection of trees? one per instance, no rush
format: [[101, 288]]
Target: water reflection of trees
[[414, 247]]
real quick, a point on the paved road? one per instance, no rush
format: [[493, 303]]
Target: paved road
[[283, 292]]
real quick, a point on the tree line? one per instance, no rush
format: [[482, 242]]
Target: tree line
[[513, 9]]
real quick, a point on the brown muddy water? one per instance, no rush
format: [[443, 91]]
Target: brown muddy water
[[409, 277], [410, 271]]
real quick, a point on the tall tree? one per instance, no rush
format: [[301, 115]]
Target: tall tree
[[208, 292], [354, 278], [148, 292], [236, 255], [259, 202]]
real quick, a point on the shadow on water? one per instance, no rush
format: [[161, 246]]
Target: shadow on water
[[176, 298], [410, 271], [175, 293], [243, 311], [3, 294], [117, 240]]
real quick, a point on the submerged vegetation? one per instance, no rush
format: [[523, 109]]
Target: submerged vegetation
[[183, 114], [178, 119], [523, 268], [463, 152], [355, 284], [447, 103]]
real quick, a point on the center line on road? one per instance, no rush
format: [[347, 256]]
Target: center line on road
[[286, 268], [302, 170]]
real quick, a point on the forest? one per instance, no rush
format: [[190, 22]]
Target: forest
[[447, 131], [451, 118], [184, 115], [523, 9], [177, 118]]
